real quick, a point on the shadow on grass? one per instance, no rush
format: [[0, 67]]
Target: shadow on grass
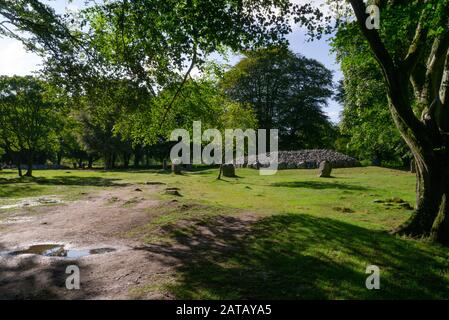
[[17, 189], [66, 180], [318, 185], [299, 257], [158, 170]]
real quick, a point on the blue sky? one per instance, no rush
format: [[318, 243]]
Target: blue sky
[[15, 60]]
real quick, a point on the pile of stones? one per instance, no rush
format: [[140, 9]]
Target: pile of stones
[[309, 159]]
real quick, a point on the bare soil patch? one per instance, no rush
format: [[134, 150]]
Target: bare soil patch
[[100, 220]]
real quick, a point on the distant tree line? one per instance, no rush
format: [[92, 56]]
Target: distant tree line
[[112, 89], [113, 121]]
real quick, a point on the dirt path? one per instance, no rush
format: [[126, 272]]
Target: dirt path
[[98, 221], [102, 220]]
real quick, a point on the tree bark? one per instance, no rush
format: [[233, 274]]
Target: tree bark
[[430, 184], [220, 172], [29, 172], [90, 162], [427, 136], [107, 161], [19, 166], [137, 156], [147, 160], [126, 159], [440, 228]]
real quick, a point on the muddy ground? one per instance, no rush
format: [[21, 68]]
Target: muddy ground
[[99, 220]]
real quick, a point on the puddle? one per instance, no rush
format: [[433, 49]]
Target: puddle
[[57, 250], [32, 202]]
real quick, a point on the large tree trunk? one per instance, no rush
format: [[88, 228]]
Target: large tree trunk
[[19, 166], [220, 171], [90, 162], [29, 172], [137, 156], [126, 158], [147, 159], [107, 161], [430, 217], [440, 228], [427, 71]]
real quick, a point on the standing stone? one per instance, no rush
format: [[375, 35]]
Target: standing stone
[[228, 170], [325, 169], [176, 168], [164, 164]]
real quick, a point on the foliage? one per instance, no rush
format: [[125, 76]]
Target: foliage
[[286, 92], [412, 48], [29, 118], [366, 119]]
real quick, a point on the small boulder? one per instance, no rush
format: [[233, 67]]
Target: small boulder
[[172, 192], [325, 169], [176, 168]]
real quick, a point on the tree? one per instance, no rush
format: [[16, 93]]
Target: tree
[[28, 118], [70, 142], [99, 111], [287, 92], [154, 43], [365, 120], [235, 115], [412, 50]]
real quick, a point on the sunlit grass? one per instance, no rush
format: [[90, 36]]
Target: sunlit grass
[[313, 237]]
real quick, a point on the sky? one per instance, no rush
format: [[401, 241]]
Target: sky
[[15, 60]]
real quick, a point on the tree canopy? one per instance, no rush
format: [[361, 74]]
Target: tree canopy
[[286, 91], [29, 117], [411, 48]]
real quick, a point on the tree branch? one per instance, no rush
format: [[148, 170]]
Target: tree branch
[[396, 82], [435, 69], [377, 46], [443, 115], [416, 49], [178, 91]]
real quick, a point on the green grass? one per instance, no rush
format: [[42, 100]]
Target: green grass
[[314, 239]]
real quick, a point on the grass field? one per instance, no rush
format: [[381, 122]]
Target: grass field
[[312, 238]]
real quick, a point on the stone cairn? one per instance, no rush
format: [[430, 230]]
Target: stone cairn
[[309, 159]]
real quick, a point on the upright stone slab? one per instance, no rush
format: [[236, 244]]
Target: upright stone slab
[[228, 170], [176, 168], [325, 169]]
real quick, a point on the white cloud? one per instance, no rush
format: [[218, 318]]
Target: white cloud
[[15, 60]]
